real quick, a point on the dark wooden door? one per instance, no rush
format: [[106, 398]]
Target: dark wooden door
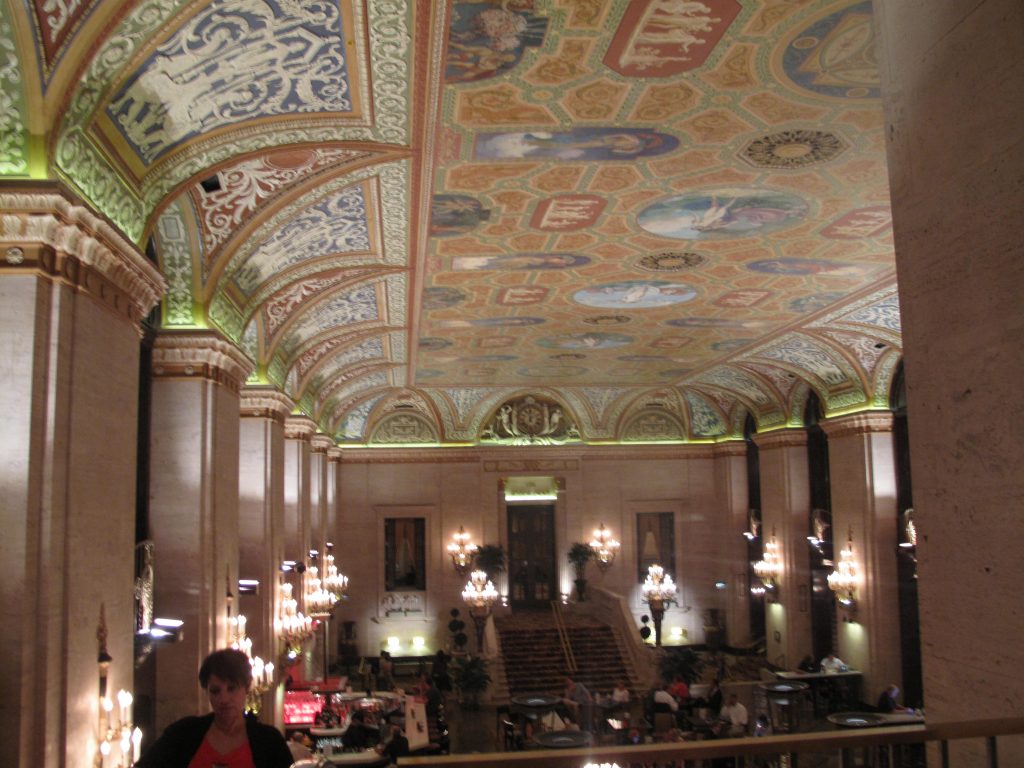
[[531, 562]]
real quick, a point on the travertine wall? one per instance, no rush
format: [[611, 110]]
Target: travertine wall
[[953, 75]]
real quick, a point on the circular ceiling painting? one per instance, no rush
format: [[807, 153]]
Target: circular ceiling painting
[[722, 213]]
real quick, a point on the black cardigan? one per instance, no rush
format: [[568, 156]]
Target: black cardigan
[[179, 743]]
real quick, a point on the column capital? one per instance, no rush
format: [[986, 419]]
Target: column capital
[[781, 438], [266, 403], [334, 453], [861, 423], [200, 354], [731, 448], [298, 427], [44, 232], [320, 443]]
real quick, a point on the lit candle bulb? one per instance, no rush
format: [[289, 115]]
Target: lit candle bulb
[[136, 745]]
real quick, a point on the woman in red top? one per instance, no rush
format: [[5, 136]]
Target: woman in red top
[[226, 737]]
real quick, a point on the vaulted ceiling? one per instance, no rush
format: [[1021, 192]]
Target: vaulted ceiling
[[504, 221]]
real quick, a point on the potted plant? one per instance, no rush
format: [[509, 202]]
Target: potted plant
[[579, 555], [459, 638], [683, 662], [471, 677], [490, 558]]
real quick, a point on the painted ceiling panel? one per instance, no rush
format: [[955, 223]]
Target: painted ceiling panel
[[661, 214]]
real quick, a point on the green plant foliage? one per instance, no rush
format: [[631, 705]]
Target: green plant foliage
[[579, 555], [682, 661], [490, 558]]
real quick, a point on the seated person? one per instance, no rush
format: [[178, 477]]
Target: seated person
[[298, 747], [807, 664], [664, 701], [734, 716], [713, 698], [396, 746], [887, 701], [579, 703], [620, 695], [832, 663], [358, 735], [679, 690]]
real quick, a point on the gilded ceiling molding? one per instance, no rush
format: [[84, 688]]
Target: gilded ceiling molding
[[531, 420], [76, 236], [862, 423], [402, 428], [200, 355], [653, 424], [298, 427], [781, 438], [265, 402]]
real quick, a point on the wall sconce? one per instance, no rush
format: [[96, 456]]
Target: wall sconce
[[394, 644], [461, 551], [317, 600], [843, 580], [120, 741], [334, 581], [419, 643], [819, 526], [605, 548], [769, 568]]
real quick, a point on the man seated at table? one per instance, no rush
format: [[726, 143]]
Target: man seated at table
[[832, 664], [580, 703], [734, 716], [887, 701]]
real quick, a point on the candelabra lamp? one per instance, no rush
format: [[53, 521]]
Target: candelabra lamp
[[479, 595], [844, 579], [318, 601], [658, 591], [334, 582], [262, 672], [290, 626], [120, 741], [769, 568], [605, 548], [461, 550]]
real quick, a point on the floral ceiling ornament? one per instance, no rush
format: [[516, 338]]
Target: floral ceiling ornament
[[530, 420]]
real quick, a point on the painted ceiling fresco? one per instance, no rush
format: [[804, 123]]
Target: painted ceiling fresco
[[510, 221]]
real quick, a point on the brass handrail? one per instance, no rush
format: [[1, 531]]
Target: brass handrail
[[939, 734], [563, 637]]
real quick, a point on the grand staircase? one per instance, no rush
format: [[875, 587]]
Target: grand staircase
[[536, 661]]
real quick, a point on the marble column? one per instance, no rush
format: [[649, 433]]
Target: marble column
[[298, 431], [863, 483], [952, 75], [261, 513], [193, 518], [785, 508], [72, 294], [730, 468]]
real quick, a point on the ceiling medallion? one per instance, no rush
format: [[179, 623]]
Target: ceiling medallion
[[793, 149], [670, 261], [607, 320]]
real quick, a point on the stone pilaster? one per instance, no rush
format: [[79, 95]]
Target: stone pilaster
[[71, 295], [261, 511], [785, 508], [730, 468], [863, 483], [194, 448]]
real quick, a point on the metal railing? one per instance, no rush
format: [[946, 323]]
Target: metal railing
[[841, 747], [563, 637]]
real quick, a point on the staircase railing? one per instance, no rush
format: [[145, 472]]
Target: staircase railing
[[614, 610], [563, 637]]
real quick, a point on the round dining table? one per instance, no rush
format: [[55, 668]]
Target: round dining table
[[564, 739]]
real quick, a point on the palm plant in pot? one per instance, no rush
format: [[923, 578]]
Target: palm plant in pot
[[471, 677], [490, 558], [579, 555]]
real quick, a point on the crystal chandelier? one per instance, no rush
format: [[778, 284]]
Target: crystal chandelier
[[605, 548], [461, 551], [658, 588], [119, 740], [843, 580]]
